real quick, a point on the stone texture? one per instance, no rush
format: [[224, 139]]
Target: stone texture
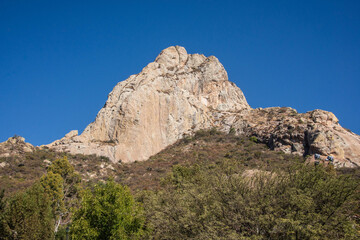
[[303, 134], [176, 94], [14, 146], [180, 93]]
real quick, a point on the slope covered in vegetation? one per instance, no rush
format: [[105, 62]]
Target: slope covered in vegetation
[[206, 186], [223, 200]]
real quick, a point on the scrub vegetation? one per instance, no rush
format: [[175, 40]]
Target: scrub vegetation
[[207, 186]]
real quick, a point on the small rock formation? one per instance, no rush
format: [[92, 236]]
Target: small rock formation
[[14, 146], [180, 93], [303, 134]]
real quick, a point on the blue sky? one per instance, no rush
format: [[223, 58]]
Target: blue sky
[[60, 59]]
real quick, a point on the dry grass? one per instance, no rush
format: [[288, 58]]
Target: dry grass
[[205, 147]]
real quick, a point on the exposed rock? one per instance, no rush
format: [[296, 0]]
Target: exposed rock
[[3, 164], [71, 134], [175, 95], [180, 93], [47, 162], [308, 133], [14, 146]]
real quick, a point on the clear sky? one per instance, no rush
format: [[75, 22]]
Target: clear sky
[[60, 59]]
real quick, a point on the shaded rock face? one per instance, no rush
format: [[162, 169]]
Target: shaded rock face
[[176, 94], [180, 93]]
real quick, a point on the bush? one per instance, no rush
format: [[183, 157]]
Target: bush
[[222, 202], [201, 133], [29, 215], [3, 227], [108, 212], [253, 139], [62, 184], [232, 131]]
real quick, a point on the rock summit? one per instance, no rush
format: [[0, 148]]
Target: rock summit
[[180, 93], [176, 94]]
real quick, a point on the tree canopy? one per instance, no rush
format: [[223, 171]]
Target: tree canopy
[[62, 184], [108, 211], [29, 215], [222, 201]]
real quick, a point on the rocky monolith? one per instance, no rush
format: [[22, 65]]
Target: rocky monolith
[[176, 94], [180, 93]]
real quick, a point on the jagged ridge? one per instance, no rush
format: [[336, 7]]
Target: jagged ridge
[[176, 94], [180, 93]]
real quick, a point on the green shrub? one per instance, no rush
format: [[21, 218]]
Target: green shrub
[[232, 131], [219, 202], [29, 215], [108, 212], [253, 139], [201, 133]]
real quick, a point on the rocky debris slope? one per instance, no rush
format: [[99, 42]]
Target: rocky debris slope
[[180, 93], [14, 146]]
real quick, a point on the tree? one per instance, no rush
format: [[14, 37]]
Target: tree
[[53, 186], [29, 215], [108, 212], [3, 229], [62, 184], [220, 201], [71, 178]]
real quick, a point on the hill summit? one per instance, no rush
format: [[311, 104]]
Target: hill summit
[[180, 93], [176, 94]]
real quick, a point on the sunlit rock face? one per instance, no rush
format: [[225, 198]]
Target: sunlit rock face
[[176, 94], [15, 146], [303, 134], [180, 93]]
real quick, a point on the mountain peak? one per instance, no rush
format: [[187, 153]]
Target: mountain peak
[[180, 93], [176, 94], [172, 56]]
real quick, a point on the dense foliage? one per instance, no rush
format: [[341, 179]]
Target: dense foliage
[[2, 215], [225, 202], [28, 216], [214, 186], [40, 211], [19, 172], [108, 212], [62, 184]]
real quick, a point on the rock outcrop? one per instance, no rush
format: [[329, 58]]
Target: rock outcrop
[[303, 134], [176, 94], [14, 146], [180, 93]]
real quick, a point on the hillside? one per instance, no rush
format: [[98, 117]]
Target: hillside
[[180, 93], [181, 191], [176, 153], [204, 147]]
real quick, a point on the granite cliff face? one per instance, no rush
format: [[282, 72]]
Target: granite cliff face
[[180, 93], [176, 94]]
